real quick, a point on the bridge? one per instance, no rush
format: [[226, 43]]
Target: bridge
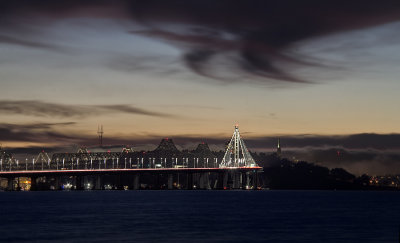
[[163, 168]]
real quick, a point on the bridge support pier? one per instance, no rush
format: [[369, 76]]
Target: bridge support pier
[[85, 181], [204, 181], [225, 180], [157, 185], [189, 185], [98, 185], [118, 184], [18, 184], [33, 184], [248, 185], [170, 181], [208, 186], [201, 181], [10, 184], [222, 180], [255, 180], [78, 183], [57, 184], [244, 180], [136, 182], [241, 179], [236, 180]]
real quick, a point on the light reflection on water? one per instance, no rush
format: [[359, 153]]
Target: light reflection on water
[[274, 216]]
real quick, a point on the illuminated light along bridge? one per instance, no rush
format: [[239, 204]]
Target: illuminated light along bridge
[[237, 170]]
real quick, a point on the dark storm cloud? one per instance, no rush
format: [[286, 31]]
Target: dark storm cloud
[[44, 109], [253, 39], [34, 132], [52, 133], [260, 33]]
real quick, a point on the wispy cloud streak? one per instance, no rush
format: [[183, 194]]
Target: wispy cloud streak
[[44, 109]]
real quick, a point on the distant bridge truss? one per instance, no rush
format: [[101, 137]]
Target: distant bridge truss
[[165, 167], [165, 156]]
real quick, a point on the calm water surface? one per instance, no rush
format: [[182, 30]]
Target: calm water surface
[[200, 216]]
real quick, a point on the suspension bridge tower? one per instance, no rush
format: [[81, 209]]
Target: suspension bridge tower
[[237, 154]]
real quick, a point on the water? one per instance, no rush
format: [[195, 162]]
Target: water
[[199, 216]]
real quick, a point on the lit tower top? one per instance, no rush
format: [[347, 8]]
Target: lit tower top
[[82, 150], [43, 157], [127, 149], [278, 148], [237, 154]]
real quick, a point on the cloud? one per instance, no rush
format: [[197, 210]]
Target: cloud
[[27, 43], [261, 33], [44, 132], [226, 40], [131, 110], [352, 141], [373, 162], [34, 132], [44, 109], [51, 135], [374, 154]]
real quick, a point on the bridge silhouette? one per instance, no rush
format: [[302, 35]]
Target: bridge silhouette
[[163, 168]]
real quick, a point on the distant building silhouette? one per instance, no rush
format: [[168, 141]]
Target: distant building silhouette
[[278, 148]]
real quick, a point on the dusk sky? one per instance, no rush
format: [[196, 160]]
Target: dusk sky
[[192, 69]]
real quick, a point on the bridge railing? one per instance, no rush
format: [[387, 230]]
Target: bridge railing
[[110, 163]]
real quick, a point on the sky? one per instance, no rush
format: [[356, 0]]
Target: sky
[[308, 71]]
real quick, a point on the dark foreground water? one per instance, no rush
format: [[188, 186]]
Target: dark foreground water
[[200, 216]]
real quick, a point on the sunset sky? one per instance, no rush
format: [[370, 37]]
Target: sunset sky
[[192, 69]]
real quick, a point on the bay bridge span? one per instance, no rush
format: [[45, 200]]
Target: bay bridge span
[[164, 168]]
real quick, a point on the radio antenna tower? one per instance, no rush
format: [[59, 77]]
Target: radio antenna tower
[[100, 134]]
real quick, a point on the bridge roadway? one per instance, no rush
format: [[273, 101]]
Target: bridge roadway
[[202, 178]]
